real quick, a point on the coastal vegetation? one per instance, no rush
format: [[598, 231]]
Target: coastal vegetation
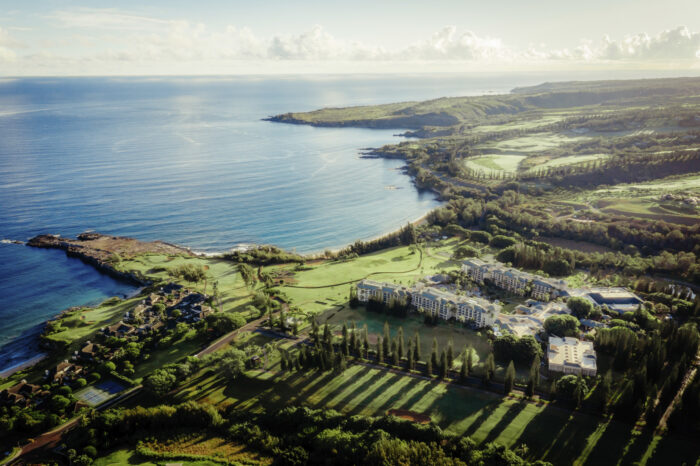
[[592, 183]]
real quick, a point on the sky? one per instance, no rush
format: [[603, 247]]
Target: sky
[[176, 37]]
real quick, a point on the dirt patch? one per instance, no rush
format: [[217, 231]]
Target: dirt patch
[[410, 415]]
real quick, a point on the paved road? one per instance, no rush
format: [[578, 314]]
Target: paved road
[[226, 339]]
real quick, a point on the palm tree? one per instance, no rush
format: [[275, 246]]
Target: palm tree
[[247, 274]]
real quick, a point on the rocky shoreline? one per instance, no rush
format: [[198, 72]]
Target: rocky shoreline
[[102, 251]]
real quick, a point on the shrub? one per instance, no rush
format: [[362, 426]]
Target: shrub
[[480, 236], [90, 451], [501, 241]]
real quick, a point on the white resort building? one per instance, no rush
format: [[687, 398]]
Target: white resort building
[[571, 356], [514, 280], [433, 301]]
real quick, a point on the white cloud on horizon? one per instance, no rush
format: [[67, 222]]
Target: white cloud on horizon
[[110, 36], [6, 52]]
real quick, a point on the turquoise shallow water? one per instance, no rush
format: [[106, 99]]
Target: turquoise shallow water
[[190, 161]]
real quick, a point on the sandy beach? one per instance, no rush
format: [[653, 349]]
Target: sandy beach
[[24, 365]]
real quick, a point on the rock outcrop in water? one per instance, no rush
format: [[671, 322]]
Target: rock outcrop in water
[[103, 252]]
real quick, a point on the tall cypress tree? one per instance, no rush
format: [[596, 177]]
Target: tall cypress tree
[[365, 342], [450, 355], [386, 341], [470, 359], [327, 338], [434, 353], [416, 348], [443, 364], [400, 348], [353, 339], [509, 379], [463, 371]]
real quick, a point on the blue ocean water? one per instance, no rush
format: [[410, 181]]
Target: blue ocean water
[[190, 161]]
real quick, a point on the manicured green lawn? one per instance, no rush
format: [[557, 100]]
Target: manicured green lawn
[[497, 162], [397, 265], [571, 159], [554, 434], [444, 332], [234, 294], [161, 357], [125, 456], [79, 324]]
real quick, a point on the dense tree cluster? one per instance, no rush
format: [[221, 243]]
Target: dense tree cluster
[[297, 436], [264, 255], [511, 348]]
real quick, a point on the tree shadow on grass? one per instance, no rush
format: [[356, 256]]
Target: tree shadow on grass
[[368, 397], [317, 378], [416, 397], [357, 393], [390, 402], [507, 418], [343, 386], [611, 445], [558, 435], [484, 414], [675, 449]]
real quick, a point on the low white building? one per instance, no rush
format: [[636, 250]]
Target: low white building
[[514, 280], [433, 301], [571, 356]]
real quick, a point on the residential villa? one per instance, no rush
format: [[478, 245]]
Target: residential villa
[[21, 394], [65, 372], [571, 356], [89, 352], [433, 301], [119, 330]]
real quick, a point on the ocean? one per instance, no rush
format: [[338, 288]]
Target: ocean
[[190, 161]]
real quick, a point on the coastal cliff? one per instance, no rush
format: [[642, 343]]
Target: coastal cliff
[[103, 252]]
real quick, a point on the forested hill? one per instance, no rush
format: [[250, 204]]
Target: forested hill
[[454, 111]]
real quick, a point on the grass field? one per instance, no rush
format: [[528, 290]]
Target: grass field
[[125, 456], [535, 142], [179, 349], [644, 208], [551, 433], [398, 265], [571, 159], [203, 444], [81, 323], [529, 124], [234, 294], [495, 162], [444, 332]]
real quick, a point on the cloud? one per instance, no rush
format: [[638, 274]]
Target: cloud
[[677, 43], [92, 37], [104, 19], [448, 44], [6, 53]]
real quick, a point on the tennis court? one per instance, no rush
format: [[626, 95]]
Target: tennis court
[[97, 394]]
